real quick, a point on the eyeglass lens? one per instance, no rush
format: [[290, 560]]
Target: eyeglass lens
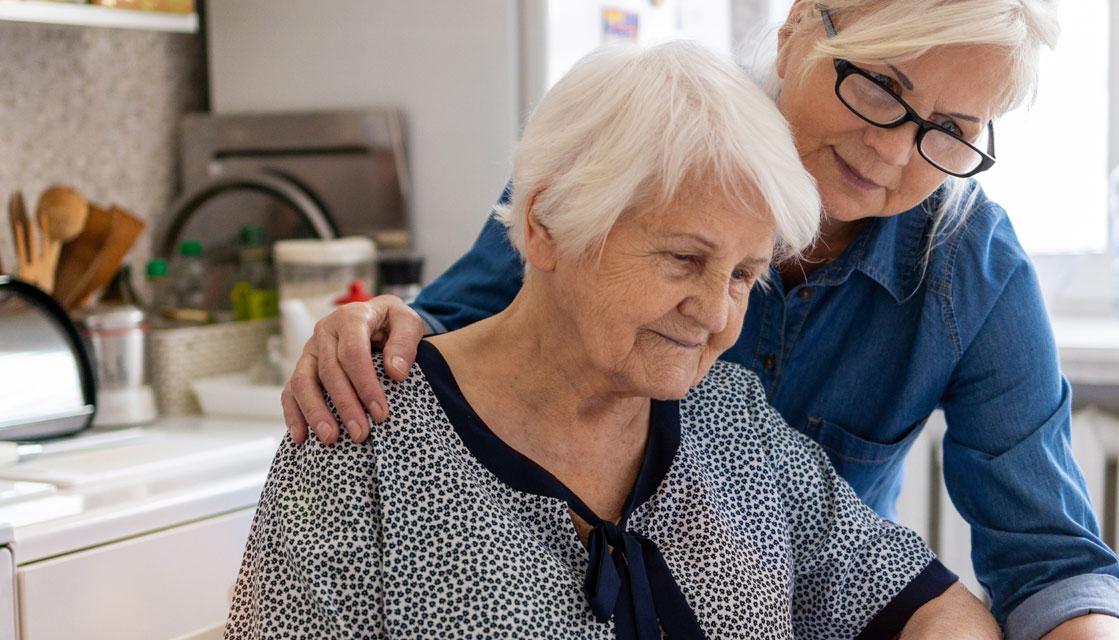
[[872, 102]]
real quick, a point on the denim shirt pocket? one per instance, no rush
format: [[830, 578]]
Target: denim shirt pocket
[[873, 469]]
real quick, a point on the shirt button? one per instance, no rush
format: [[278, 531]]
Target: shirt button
[[805, 293], [769, 362]]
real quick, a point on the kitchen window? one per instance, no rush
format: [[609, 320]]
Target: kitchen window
[[1053, 158]]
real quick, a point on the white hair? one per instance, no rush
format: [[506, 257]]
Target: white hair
[[626, 128], [893, 31]]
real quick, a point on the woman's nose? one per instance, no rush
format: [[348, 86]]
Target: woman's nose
[[709, 307], [894, 146]]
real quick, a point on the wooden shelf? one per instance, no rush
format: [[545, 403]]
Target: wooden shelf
[[96, 16]]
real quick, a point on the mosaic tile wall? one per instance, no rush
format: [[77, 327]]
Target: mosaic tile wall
[[98, 109]]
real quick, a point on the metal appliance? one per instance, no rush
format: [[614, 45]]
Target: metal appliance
[[47, 378], [351, 165]]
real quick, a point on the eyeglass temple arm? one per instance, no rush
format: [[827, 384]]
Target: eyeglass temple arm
[[829, 26]]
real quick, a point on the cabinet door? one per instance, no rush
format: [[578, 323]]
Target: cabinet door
[[163, 585], [7, 595]]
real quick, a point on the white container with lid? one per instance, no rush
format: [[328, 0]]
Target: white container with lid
[[311, 275], [118, 338]]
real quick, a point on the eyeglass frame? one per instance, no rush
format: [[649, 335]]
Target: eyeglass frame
[[845, 68]]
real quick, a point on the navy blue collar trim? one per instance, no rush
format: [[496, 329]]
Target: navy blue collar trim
[[930, 583], [627, 578]]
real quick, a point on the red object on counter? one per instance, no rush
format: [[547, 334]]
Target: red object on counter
[[357, 294]]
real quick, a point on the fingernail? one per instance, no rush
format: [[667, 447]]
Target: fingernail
[[352, 428], [322, 430], [399, 364], [382, 411]]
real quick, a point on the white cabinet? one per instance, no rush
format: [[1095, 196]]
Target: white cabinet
[[8, 630], [174, 583], [138, 541]]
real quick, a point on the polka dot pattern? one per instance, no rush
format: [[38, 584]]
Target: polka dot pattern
[[408, 535]]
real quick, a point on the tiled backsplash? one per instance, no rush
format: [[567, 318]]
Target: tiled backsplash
[[98, 109]]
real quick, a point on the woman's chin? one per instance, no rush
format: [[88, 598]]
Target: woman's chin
[[671, 384]]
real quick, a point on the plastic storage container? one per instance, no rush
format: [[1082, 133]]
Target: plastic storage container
[[399, 274], [310, 275]]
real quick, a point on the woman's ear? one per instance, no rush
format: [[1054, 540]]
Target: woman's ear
[[800, 10], [540, 246]]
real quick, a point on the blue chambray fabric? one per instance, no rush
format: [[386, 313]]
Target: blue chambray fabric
[[859, 355]]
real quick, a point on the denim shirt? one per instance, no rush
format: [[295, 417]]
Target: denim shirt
[[859, 355]]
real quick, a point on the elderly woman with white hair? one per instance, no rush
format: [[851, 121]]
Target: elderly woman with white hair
[[579, 465], [917, 296]]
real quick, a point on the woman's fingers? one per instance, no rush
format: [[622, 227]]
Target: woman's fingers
[[293, 417], [338, 357], [306, 389], [358, 323], [406, 329], [338, 385]]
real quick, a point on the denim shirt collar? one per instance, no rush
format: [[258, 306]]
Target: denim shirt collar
[[888, 250]]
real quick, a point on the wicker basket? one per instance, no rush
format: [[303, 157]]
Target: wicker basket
[[181, 355]]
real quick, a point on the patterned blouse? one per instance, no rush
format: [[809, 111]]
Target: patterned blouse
[[737, 527]]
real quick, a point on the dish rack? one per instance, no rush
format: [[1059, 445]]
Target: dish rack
[[181, 355]]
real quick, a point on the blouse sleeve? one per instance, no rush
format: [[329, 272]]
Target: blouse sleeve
[[855, 573], [311, 567]]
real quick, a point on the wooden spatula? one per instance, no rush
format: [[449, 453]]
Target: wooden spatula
[[77, 256], [31, 243], [124, 230]]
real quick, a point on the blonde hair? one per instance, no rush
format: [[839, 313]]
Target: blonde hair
[[893, 31], [626, 128]]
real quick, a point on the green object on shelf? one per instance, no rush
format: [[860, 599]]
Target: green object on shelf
[[251, 235], [190, 248], [254, 289], [157, 268]]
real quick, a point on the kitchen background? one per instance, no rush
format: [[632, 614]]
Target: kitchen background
[[137, 537], [97, 108]]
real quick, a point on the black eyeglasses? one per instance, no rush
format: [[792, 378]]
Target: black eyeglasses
[[867, 97]]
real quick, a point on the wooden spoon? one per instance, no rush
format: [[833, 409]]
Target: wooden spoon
[[61, 215]]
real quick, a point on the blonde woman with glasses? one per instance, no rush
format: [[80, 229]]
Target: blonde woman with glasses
[[916, 296]]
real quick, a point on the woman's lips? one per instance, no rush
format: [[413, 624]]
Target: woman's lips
[[853, 176], [684, 344]]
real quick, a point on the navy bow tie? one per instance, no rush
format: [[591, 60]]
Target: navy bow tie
[[633, 585]]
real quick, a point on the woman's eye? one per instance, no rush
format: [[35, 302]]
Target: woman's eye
[[687, 259], [885, 81], [951, 125], [743, 276]]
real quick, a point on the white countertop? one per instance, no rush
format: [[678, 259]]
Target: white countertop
[[184, 469]]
